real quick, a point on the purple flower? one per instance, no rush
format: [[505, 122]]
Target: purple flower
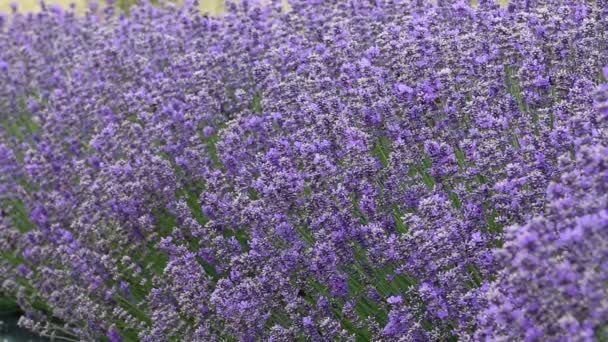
[[23, 271], [114, 335], [403, 89]]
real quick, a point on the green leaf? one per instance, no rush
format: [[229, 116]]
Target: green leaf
[[256, 104], [382, 149]]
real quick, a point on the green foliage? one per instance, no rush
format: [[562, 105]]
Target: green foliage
[[8, 305], [382, 149]]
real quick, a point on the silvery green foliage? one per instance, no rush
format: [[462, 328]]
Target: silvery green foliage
[[342, 170]]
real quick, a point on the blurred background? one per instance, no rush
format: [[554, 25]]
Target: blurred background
[[209, 6]]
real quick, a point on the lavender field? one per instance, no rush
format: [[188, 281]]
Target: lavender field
[[333, 170]]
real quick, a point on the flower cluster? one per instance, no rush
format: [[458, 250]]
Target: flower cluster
[[552, 283], [335, 170]]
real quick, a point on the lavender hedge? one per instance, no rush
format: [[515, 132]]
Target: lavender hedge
[[342, 170]]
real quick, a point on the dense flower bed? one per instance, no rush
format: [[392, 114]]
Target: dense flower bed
[[344, 170]]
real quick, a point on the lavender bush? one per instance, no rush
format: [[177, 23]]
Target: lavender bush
[[342, 170]]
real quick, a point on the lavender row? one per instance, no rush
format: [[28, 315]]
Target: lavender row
[[341, 170]]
